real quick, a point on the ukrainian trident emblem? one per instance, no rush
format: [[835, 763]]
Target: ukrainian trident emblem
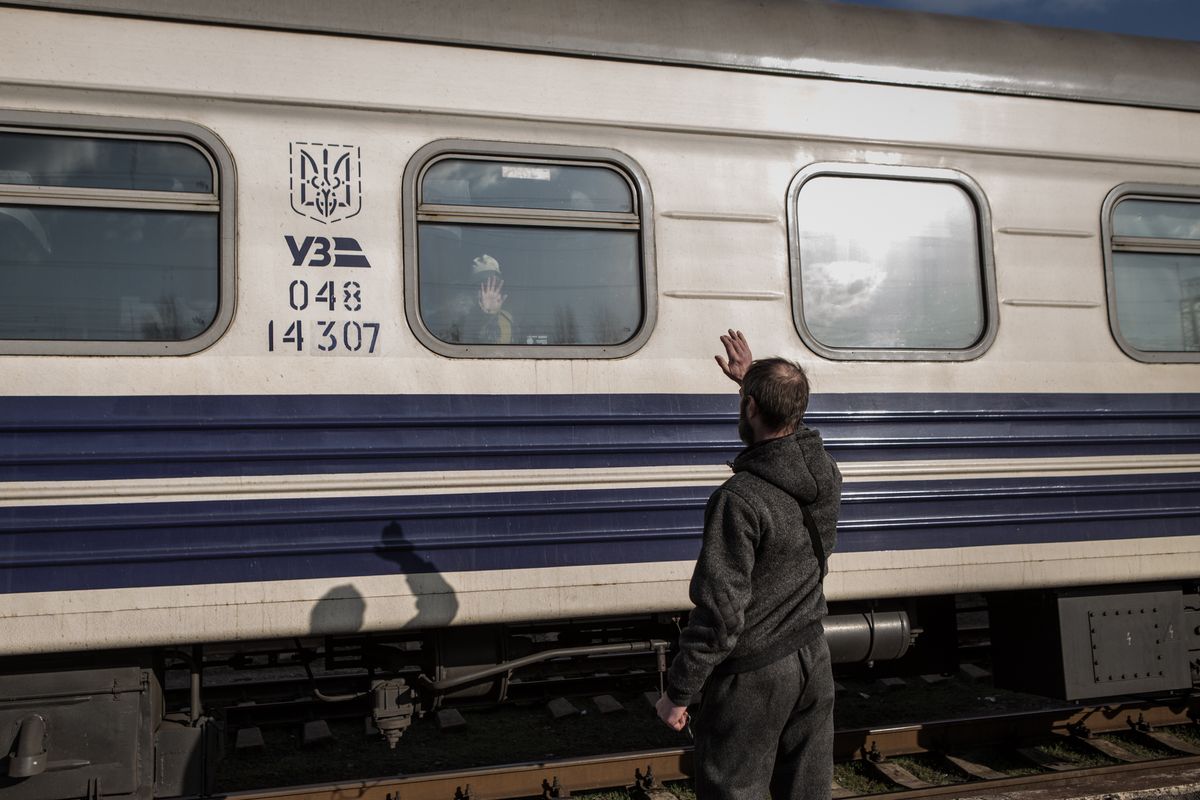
[[326, 181]]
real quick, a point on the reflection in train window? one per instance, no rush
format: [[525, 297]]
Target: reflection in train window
[[456, 181], [530, 252], [47, 160], [110, 274], [108, 243], [1154, 273], [890, 266]]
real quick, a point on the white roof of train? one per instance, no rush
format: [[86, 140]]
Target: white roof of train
[[810, 38]]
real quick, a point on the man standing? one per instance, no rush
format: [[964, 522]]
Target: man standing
[[754, 641]]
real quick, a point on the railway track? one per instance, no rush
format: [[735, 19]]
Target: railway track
[[1108, 731]]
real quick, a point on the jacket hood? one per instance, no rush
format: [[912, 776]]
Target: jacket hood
[[797, 463]]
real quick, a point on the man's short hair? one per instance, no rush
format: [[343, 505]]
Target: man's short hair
[[780, 389]]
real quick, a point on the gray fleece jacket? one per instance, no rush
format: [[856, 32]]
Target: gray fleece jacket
[[757, 583]]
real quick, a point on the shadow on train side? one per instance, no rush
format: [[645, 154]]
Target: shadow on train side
[[342, 609], [436, 602]]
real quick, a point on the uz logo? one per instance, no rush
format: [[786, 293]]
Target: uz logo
[[318, 251]]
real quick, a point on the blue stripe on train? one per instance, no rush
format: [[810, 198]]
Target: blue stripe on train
[[95, 438], [93, 547]]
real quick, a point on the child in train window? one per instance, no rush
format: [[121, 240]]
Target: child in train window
[[477, 314], [492, 284]]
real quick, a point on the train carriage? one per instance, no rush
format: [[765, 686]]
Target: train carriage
[[248, 395]]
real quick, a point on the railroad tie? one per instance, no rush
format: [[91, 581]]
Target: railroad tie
[[315, 731], [974, 768], [249, 738], [1112, 749], [450, 719], [974, 673], [561, 707], [1045, 761], [899, 775], [1170, 741], [607, 704]]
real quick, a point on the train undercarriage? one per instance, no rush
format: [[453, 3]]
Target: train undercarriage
[[149, 723]]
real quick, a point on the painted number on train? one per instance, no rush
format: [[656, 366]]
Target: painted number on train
[[325, 294], [325, 336], [318, 336]]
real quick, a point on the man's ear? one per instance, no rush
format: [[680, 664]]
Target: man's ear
[[751, 407]]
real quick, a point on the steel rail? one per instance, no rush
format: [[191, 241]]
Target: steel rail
[[533, 779], [509, 781], [996, 729], [975, 787]]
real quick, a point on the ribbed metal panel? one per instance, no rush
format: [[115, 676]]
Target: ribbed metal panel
[[89, 438], [157, 544], [92, 543]]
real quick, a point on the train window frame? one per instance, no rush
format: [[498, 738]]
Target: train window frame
[[983, 243], [1113, 243], [221, 202], [641, 220]]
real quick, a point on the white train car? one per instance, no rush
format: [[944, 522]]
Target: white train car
[[249, 394]]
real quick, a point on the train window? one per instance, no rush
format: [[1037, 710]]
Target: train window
[[106, 274], [47, 160], [115, 237], [1152, 266], [456, 181], [891, 263], [522, 251]]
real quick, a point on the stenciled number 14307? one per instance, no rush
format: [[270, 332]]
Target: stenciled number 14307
[[325, 336]]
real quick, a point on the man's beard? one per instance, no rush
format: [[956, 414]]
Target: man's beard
[[744, 429]]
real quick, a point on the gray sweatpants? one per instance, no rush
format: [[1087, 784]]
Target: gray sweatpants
[[768, 732]]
